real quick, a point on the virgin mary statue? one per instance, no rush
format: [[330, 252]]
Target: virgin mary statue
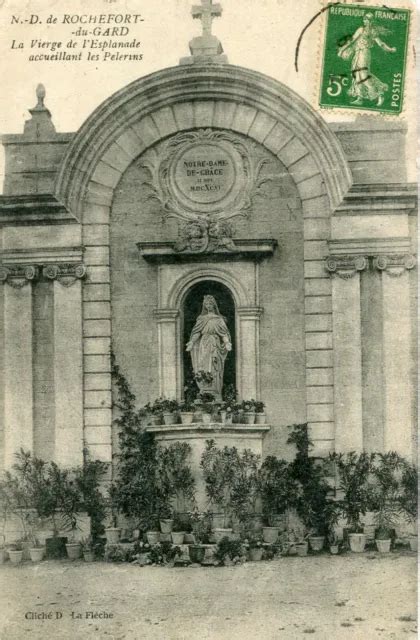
[[209, 345]]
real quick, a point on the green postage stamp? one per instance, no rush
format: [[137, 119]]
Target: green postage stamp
[[364, 62]]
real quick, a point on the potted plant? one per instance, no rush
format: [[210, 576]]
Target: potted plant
[[409, 499], [244, 491], [157, 411], [248, 411], [200, 522], [113, 532], [228, 405], [16, 552], [188, 406], [36, 550], [334, 544], [169, 411], [353, 475], [229, 551], [385, 497], [260, 417], [279, 492], [219, 467], [204, 380], [301, 544], [207, 406], [166, 519], [255, 549], [88, 549]]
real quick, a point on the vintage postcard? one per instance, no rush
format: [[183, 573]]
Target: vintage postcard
[[208, 303]]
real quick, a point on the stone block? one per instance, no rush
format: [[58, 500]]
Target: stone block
[[318, 322], [203, 113], [95, 234], [317, 287], [312, 187], [96, 328], [165, 121], [98, 399], [318, 207], [372, 172], [107, 176], [183, 114], [319, 377], [278, 138], [294, 150], [98, 194], [95, 346], [96, 292], [369, 226], [320, 413], [116, 156], [147, 131], [96, 214], [101, 452], [243, 119], [261, 126], [318, 359], [322, 448], [317, 229], [98, 417], [315, 269], [97, 363], [319, 395], [97, 382], [98, 435], [96, 256], [131, 145], [98, 275], [223, 114], [315, 249], [318, 341], [318, 304], [41, 237], [303, 169], [96, 310], [322, 430]]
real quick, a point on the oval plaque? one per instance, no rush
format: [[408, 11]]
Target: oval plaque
[[204, 173]]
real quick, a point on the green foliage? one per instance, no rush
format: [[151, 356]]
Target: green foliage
[[87, 480], [232, 549], [354, 471], [409, 495], [279, 490], [164, 553], [149, 477], [384, 490]]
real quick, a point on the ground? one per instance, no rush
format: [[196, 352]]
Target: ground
[[329, 597]]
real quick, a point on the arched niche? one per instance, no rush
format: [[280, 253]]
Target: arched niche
[[191, 309]]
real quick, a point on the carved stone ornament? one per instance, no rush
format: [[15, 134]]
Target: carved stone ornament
[[345, 266], [17, 276], [65, 274], [394, 265], [203, 236], [206, 175]]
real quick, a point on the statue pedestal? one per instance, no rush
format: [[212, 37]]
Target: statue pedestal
[[240, 436]]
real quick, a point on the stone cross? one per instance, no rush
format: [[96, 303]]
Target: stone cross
[[206, 12]]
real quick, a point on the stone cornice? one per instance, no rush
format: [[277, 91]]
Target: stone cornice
[[36, 209], [369, 246], [164, 252], [199, 82], [166, 314], [374, 199], [250, 313], [42, 255]]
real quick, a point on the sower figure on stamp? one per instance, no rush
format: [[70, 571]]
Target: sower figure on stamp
[[209, 345], [365, 86]]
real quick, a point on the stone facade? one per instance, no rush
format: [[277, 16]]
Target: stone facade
[[328, 306]]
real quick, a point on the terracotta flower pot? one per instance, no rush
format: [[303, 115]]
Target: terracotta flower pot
[[270, 534], [178, 537], [88, 556], [15, 556], [169, 417], [37, 554], [187, 417], [218, 520], [302, 548], [277, 520], [206, 418], [153, 537], [383, 546], [413, 540], [357, 542], [256, 554], [74, 550], [113, 535], [260, 418], [220, 533], [249, 417], [316, 543], [166, 525], [334, 549], [197, 553]]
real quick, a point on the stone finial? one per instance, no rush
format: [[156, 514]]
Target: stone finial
[[206, 48], [40, 124]]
